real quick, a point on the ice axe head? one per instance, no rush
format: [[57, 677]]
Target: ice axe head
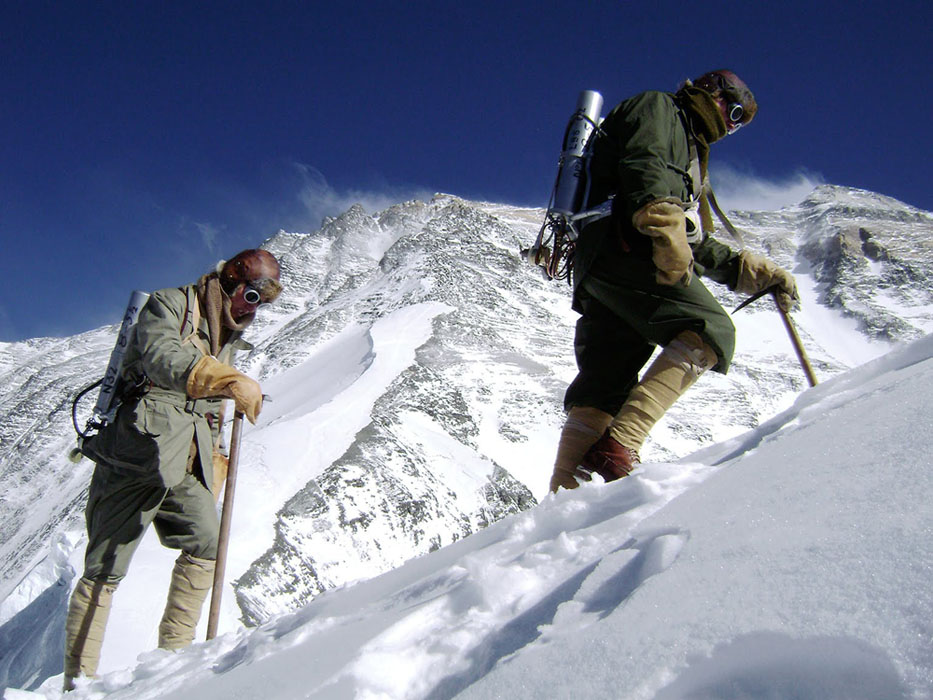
[[753, 298]]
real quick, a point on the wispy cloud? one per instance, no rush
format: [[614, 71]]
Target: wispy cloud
[[321, 200], [210, 235], [738, 190]]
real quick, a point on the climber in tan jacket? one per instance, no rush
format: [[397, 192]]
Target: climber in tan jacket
[[157, 462]]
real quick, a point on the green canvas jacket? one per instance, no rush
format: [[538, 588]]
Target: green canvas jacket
[[643, 155]]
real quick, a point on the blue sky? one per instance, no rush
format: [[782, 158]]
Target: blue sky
[[140, 142]]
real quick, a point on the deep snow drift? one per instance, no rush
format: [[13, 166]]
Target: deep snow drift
[[794, 560]]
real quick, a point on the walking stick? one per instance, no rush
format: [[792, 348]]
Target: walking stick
[[795, 340], [225, 517], [791, 331]]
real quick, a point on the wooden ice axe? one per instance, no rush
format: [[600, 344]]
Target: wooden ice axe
[[791, 331], [225, 517]]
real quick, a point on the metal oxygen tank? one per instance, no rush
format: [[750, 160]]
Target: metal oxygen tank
[[107, 403], [552, 250], [570, 187], [108, 387]]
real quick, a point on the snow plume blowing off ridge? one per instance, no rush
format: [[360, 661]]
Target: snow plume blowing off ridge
[[393, 536], [321, 200], [747, 192]]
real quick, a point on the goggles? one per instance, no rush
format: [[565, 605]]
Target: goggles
[[262, 291], [734, 114], [734, 110]]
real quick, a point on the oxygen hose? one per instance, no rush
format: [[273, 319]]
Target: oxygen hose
[[74, 408]]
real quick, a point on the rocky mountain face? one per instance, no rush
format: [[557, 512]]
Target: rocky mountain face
[[401, 488], [868, 255], [417, 367], [41, 492]]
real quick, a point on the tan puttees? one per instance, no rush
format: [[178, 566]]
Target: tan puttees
[[192, 579], [583, 427], [84, 628], [674, 371]]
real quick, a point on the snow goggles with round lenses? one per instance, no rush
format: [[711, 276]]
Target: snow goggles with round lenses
[[734, 110], [734, 114], [262, 291]]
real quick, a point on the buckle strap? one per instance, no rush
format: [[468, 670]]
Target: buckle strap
[[188, 405]]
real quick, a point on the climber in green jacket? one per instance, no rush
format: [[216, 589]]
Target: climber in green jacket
[[636, 273]]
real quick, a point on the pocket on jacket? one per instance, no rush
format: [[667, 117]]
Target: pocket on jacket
[[154, 418]]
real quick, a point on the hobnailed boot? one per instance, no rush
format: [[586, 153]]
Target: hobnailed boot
[[84, 628], [674, 371], [192, 579], [583, 427], [609, 458]]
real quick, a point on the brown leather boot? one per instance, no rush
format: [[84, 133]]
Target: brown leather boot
[[610, 459]]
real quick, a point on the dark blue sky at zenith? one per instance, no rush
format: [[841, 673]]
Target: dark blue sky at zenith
[[142, 141]]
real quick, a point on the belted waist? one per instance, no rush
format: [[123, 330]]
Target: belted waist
[[189, 405]]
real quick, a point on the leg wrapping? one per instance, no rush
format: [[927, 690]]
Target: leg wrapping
[[674, 371], [84, 628], [192, 580], [583, 427]]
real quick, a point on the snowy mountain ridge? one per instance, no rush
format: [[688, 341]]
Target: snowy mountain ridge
[[417, 367]]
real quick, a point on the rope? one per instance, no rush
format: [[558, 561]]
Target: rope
[[733, 231]]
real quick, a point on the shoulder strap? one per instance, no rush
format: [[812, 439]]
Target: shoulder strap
[[701, 187], [733, 231], [192, 319], [695, 183]]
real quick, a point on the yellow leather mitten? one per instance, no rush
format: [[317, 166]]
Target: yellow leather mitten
[[756, 273], [666, 224], [210, 378]]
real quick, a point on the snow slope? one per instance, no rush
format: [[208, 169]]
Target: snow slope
[[416, 367], [793, 560]]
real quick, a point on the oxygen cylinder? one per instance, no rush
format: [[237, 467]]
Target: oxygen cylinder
[[568, 193], [108, 387]]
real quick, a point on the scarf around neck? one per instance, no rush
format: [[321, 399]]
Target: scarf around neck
[[215, 305], [707, 126]]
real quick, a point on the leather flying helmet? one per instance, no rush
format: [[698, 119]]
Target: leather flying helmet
[[258, 270], [740, 103]]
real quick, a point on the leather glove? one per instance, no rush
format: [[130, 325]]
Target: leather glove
[[221, 464], [666, 224], [757, 273], [210, 378]]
